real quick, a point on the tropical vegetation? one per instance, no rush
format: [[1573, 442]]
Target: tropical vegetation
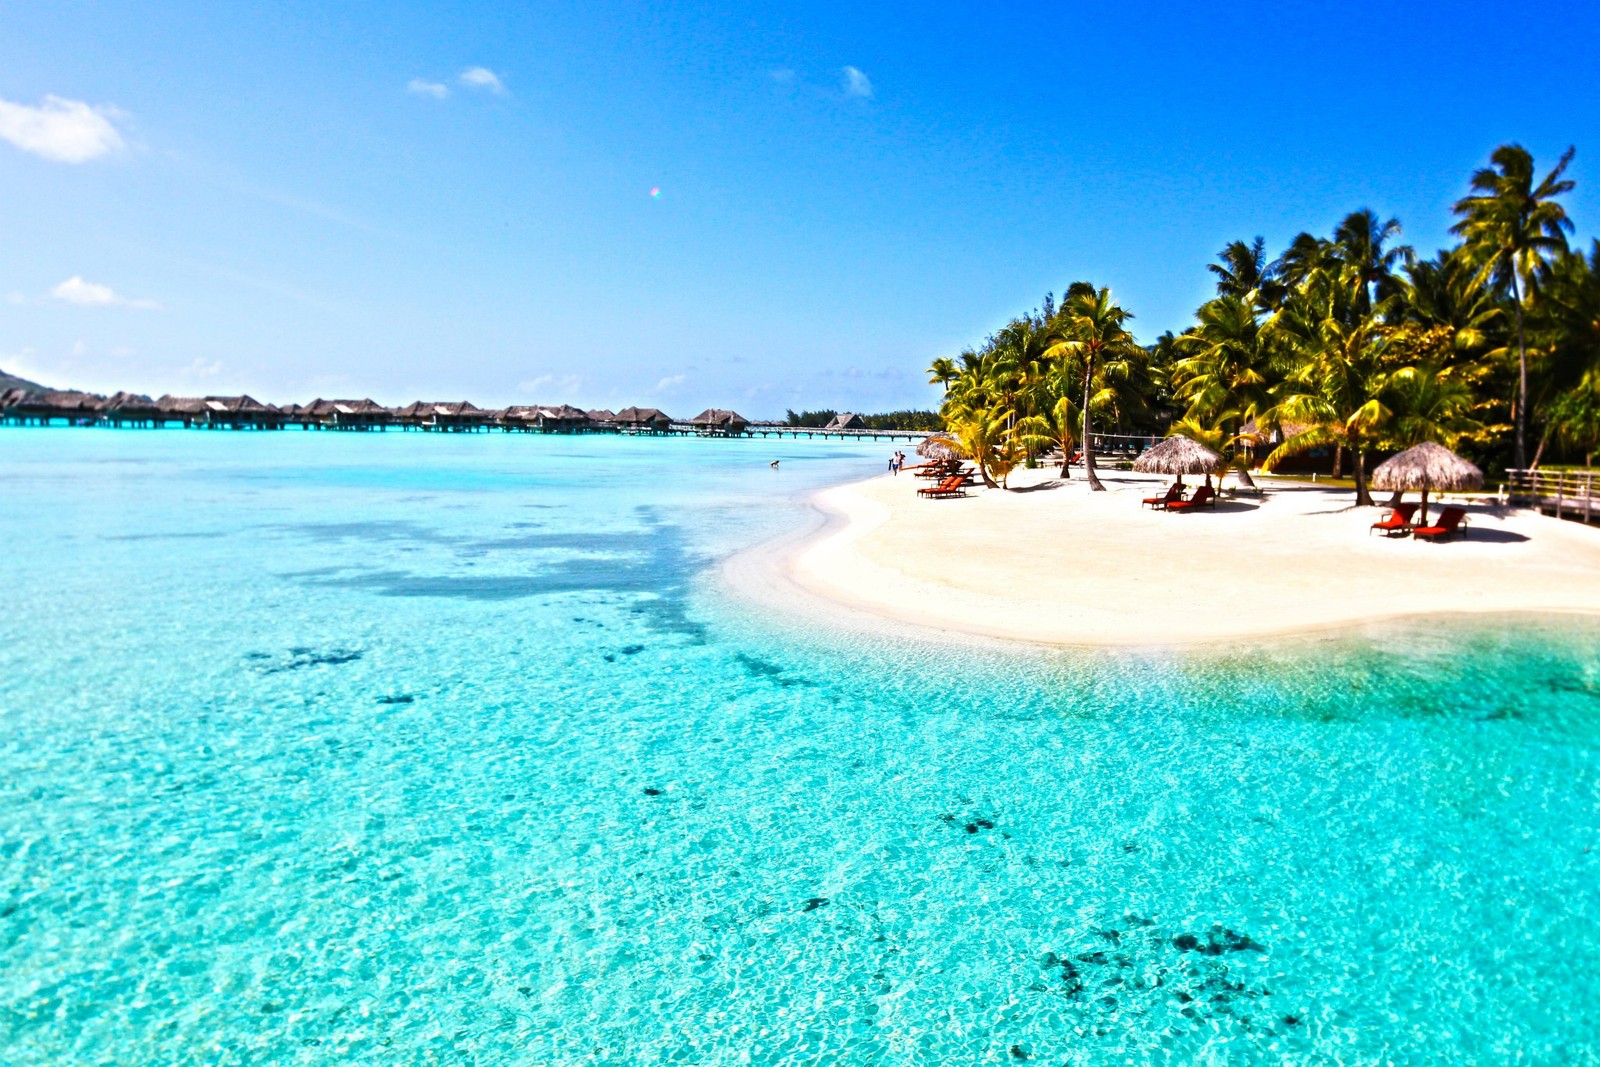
[[1342, 347]]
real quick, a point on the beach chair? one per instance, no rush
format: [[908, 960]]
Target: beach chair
[[952, 486], [1451, 520], [1397, 523], [1202, 497], [1167, 499]]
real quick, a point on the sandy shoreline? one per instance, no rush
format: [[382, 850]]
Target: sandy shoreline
[[1055, 564]]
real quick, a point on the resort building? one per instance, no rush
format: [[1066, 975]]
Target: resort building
[[364, 414], [643, 420], [717, 422], [443, 415], [846, 420]]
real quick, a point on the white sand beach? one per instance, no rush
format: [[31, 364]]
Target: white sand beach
[[1050, 562]]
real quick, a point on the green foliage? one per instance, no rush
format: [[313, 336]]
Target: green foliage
[[888, 420], [1350, 341]]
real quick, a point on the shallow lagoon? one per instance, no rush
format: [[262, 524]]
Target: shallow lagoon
[[406, 748]]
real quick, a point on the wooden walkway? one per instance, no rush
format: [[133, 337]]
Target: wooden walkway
[[1566, 494]]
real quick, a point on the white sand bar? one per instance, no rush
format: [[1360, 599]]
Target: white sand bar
[[1054, 563]]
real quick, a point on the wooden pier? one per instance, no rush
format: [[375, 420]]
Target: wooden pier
[[1566, 494]]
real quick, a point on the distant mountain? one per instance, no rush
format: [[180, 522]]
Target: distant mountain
[[11, 381]]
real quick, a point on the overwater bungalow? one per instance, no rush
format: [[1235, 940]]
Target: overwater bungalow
[[603, 418], [643, 420], [135, 409], [846, 420], [563, 418], [69, 405], [717, 422], [366, 414], [443, 415], [233, 412]]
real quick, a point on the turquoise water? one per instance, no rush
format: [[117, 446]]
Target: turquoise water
[[398, 748]]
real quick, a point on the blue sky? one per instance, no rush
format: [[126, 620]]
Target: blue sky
[[404, 201]]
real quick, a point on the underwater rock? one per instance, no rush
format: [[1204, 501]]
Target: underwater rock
[[1017, 1053], [814, 903], [398, 698], [1185, 942], [302, 656], [1291, 1020], [632, 650], [652, 791]]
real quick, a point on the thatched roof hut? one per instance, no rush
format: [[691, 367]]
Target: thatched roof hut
[[1180, 455], [939, 447], [846, 420], [719, 420], [344, 414], [442, 414], [1426, 466], [643, 418]]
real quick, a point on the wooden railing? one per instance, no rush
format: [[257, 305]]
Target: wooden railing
[[1570, 494]]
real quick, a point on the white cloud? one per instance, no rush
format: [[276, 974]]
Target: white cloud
[[564, 387], [91, 294], [482, 78], [856, 83], [66, 131], [437, 90], [669, 385]]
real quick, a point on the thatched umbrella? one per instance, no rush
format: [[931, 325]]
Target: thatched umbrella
[[1426, 466], [1180, 455], [941, 448]]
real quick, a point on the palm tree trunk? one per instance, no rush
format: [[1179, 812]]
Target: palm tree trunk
[[1519, 450], [1338, 460], [1538, 453], [1363, 498], [1088, 437]]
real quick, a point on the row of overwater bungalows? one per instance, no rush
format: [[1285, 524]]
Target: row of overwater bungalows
[[42, 408]]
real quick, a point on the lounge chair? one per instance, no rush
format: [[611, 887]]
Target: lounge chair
[[1451, 520], [1202, 497], [1170, 497], [952, 486], [1397, 523]]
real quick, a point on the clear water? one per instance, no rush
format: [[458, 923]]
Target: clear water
[[418, 749]]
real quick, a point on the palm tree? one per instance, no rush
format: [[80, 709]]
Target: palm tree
[[1444, 292], [1091, 333], [1225, 377], [1567, 326], [1055, 427], [1359, 243], [983, 433], [1243, 270], [1427, 403], [1512, 229], [1337, 388], [942, 371], [1575, 419], [1305, 254]]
